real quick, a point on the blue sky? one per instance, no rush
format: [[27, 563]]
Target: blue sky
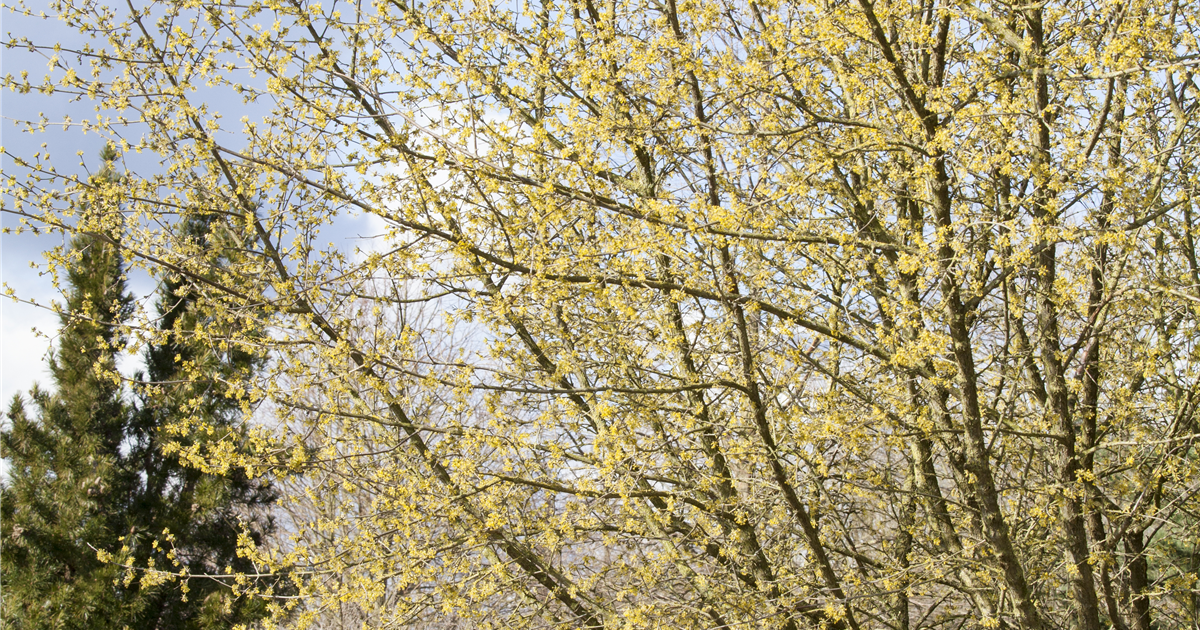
[[24, 356], [28, 330]]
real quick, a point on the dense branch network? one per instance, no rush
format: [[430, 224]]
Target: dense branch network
[[850, 315]]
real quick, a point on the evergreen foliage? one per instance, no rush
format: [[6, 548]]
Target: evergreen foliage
[[205, 513], [68, 486], [98, 486]]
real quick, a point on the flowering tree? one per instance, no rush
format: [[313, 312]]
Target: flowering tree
[[841, 314]]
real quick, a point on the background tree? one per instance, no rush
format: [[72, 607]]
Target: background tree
[[204, 512], [94, 475], [841, 314], [67, 488]]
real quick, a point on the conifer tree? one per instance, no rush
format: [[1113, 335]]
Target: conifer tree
[[67, 484], [204, 513], [97, 486]]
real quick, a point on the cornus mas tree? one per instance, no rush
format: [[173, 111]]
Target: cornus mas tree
[[848, 314]]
